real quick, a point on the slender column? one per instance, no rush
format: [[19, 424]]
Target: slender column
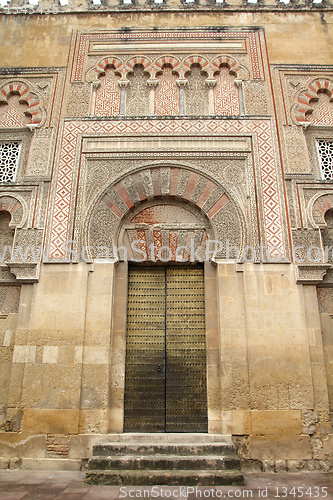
[[152, 82], [239, 85], [123, 84], [182, 82], [211, 82], [95, 86]]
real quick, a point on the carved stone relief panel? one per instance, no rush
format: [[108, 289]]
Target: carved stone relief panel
[[78, 100], [167, 99], [325, 299], [322, 113], [9, 299], [327, 236], [255, 97], [6, 236], [14, 113], [101, 232], [307, 246], [196, 94], [40, 161], [226, 94], [296, 150], [108, 95], [137, 93]]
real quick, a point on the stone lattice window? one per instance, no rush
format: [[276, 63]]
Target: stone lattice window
[[9, 156], [325, 151]]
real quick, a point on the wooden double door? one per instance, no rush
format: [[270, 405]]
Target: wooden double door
[[165, 375]]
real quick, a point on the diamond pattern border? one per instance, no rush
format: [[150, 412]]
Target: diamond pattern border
[[65, 177], [248, 35]]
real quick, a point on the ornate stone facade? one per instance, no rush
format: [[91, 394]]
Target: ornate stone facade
[[202, 145]]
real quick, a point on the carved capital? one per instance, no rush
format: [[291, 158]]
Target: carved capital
[[238, 83], [152, 82], [25, 272], [211, 82], [304, 124], [96, 84], [123, 83], [32, 126], [308, 274], [181, 82], [5, 275]]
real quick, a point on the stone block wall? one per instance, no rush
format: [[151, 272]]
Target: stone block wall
[[274, 382], [59, 371]]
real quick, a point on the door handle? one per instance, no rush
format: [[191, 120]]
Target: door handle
[[159, 368]]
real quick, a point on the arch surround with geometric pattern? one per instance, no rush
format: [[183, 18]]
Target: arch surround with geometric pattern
[[34, 110], [305, 100], [192, 191], [61, 215], [317, 208], [16, 207]]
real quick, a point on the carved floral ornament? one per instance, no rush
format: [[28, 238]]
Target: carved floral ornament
[[179, 66], [306, 101], [19, 106]]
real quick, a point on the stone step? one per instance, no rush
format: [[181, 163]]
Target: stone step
[[135, 459], [110, 449], [164, 462], [167, 437], [162, 478]]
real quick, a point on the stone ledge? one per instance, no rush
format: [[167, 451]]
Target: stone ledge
[[51, 464], [76, 6]]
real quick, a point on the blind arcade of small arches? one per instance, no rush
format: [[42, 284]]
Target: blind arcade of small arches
[[168, 87]]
